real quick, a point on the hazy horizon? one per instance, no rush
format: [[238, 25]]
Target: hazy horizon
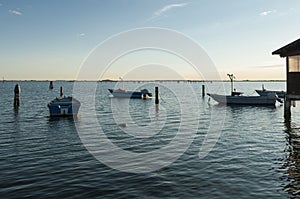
[[131, 80]]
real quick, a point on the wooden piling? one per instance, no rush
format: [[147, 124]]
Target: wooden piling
[[17, 92], [203, 90], [156, 95], [61, 91], [51, 85], [293, 103], [287, 108]]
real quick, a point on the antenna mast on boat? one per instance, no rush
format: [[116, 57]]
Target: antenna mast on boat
[[231, 77], [121, 79]]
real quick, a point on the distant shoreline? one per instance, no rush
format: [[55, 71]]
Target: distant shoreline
[[143, 80]]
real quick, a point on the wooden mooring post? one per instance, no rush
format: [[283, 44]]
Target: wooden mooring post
[[203, 90], [61, 91], [156, 95], [17, 96], [51, 85], [287, 109]]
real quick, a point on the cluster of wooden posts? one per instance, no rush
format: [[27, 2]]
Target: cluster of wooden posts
[[17, 93]]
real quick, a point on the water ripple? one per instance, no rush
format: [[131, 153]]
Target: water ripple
[[257, 155]]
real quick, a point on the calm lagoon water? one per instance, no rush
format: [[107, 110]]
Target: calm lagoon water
[[256, 154]]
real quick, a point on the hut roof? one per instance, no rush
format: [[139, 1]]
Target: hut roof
[[289, 50]]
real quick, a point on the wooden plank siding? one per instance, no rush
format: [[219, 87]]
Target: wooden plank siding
[[293, 77], [293, 83]]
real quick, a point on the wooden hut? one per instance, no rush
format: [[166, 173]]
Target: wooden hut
[[292, 54]]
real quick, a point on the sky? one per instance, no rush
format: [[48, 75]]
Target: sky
[[52, 39]]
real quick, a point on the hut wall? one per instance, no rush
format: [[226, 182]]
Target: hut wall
[[293, 75]]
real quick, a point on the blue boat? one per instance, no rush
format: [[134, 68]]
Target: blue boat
[[143, 94], [64, 106], [265, 92], [280, 94]]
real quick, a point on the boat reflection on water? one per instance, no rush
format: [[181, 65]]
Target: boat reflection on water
[[292, 162]]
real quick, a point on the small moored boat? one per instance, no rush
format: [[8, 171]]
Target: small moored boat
[[64, 106], [121, 93], [268, 100], [265, 92], [236, 98]]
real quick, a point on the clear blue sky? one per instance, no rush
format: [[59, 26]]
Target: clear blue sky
[[49, 39]]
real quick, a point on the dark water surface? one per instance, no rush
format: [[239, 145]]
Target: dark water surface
[[256, 155]]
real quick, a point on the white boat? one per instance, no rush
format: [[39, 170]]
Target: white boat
[[121, 93], [236, 98], [268, 100]]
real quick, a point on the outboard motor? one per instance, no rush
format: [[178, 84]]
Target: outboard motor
[[273, 95], [145, 93]]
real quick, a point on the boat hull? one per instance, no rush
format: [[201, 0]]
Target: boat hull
[[130, 94], [66, 106], [244, 100], [280, 94]]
